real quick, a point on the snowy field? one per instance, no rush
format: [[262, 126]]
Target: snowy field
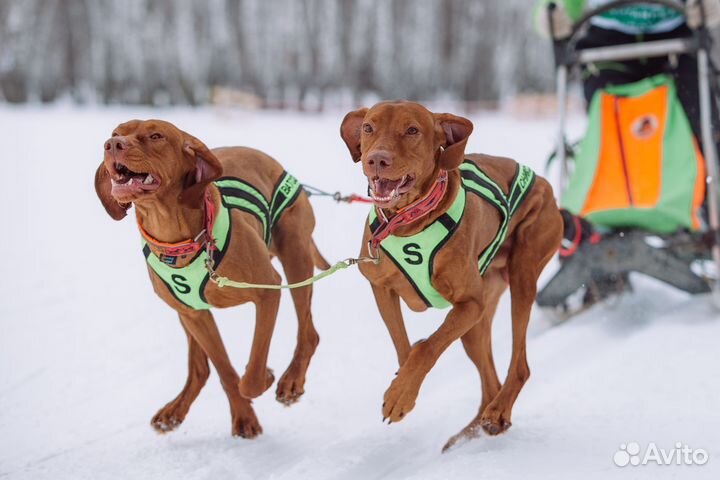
[[88, 353]]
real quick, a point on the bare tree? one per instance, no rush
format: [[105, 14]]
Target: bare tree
[[288, 53]]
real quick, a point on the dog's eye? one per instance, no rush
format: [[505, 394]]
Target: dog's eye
[[367, 128], [156, 136], [412, 131]]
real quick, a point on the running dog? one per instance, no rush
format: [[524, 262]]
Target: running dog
[[233, 209], [451, 230]]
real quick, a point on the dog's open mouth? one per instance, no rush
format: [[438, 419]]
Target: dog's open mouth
[[126, 183], [385, 192]]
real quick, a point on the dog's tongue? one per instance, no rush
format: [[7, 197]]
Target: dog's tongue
[[383, 187], [135, 184]]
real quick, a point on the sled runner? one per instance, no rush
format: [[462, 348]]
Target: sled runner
[[639, 192]]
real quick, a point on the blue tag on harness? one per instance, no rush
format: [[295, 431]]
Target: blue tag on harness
[[168, 260]]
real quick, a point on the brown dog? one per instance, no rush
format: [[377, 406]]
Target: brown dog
[[182, 191], [417, 170]]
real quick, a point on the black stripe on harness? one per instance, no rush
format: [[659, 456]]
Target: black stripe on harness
[[408, 277], [451, 225], [236, 192], [499, 195], [518, 195]]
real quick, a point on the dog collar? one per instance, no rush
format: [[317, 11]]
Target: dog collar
[[169, 252], [409, 213]]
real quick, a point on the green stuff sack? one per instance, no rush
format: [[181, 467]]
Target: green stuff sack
[[639, 164]]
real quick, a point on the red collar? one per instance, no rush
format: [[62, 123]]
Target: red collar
[[410, 213], [170, 251]]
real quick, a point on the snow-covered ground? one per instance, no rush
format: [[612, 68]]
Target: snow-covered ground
[[88, 353]]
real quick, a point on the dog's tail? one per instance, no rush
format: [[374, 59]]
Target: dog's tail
[[318, 260]]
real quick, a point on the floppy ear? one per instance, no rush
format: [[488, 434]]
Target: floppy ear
[[207, 169], [454, 132], [350, 131], [103, 187]]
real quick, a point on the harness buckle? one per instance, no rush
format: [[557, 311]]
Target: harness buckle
[[373, 252], [199, 235], [209, 261], [382, 214]]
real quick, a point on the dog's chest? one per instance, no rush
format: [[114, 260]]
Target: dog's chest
[[386, 275]]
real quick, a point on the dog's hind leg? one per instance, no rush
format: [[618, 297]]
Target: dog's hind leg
[[298, 254], [172, 415], [298, 265], [201, 326], [258, 377], [477, 343], [535, 242]]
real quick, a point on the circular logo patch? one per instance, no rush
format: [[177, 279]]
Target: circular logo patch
[[645, 126]]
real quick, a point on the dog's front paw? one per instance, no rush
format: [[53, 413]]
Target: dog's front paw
[[400, 398], [252, 387], [169, 417]]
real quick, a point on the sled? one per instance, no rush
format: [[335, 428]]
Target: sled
[[656, 232]]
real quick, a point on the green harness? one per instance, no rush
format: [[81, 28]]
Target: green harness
[[414, 255], [187, 284]]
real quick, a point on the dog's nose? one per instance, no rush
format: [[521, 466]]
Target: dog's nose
[[116, 144], [380, 160]]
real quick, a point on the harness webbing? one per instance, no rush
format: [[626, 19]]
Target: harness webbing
[[237, 193], [285, 193], [187, 284], [414, 255], [477, 182]]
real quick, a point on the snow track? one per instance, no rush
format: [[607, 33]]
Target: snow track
[[88, 353]]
